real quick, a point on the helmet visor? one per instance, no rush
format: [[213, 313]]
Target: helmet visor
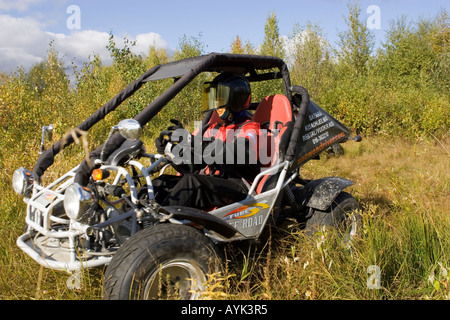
[[215, 95]]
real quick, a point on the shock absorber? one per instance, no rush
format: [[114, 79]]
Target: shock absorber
[[291, 198], [146, 224]]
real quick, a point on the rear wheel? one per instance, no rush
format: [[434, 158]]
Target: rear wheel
[[165, 261], [343, 215]]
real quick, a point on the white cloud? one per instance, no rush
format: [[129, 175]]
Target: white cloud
[[146, 40], [80, 45], [24, 42], [20, 5], [10, 56]]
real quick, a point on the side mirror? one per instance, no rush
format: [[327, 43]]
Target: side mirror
[[46, 131], [129, 129]]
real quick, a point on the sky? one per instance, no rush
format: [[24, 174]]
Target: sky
[[80, 28]]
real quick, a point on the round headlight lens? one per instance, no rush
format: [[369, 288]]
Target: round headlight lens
[[76, 201], [22, 180]]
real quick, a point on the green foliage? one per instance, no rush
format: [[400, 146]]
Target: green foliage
[[272, 45], [127, 64], [312, 66], [356, 43], [403, 89], [189, 48], [236, 46]]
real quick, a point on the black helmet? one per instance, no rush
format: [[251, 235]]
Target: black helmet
[[230, 91]]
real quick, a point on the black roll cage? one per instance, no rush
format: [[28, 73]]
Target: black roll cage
[[184, 71]]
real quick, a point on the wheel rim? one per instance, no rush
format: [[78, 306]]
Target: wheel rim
[[176, 279]]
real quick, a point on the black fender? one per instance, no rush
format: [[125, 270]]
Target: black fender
[[320, 194], [201, 218]]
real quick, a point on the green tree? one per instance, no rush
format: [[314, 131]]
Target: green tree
[[236, 46], [440, 44], [189, 47], [250, 48], [312, 66], [129, 65], [156, 57], [413, 70], [186, 106], [407, 52], [417, 53], [47, 74], [273, 44], [356, 43]]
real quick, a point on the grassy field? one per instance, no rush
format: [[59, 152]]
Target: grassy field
[[404, 189]]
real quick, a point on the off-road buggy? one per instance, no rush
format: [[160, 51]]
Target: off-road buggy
[[150, 250]]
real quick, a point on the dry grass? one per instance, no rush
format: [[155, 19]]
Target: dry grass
[[403, 187]]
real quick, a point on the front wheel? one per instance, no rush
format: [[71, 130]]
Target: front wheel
[[343, 215], [166, 261]]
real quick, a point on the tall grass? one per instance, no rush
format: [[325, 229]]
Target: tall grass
[[403, 189], [404, 192]]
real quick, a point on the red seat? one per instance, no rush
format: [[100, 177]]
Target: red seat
[[274, 109], [214, 118], [274, 113]]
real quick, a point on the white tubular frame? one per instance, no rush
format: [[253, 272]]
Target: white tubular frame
[[39, 218]]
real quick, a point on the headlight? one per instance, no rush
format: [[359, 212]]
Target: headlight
[[77, 200], [22, 181]]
